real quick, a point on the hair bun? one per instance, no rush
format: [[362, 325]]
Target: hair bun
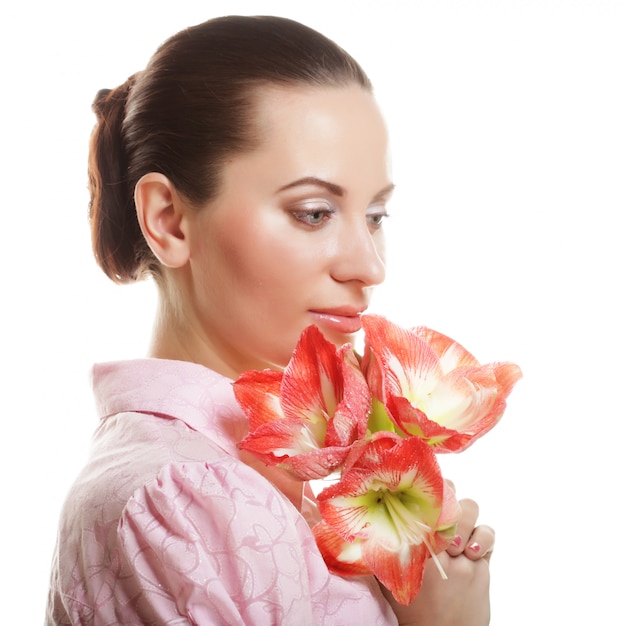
[[108, 99]]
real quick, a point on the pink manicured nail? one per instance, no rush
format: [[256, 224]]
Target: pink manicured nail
[[456, 541], [475, 547]]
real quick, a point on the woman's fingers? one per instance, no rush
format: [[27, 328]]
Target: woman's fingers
[[473, 541], [481, 543]]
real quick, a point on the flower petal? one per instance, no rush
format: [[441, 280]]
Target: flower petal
[[366, 453], [323, 383], [277, 440], [415, 423], [402, 572], [390, 502], [306, 418], [466, 404], [341, 557], [408, 366], [258, 393], [448, 520], [431, 386], [315, 464], [407, 468], [450, 353]]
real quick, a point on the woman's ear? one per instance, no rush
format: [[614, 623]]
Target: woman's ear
[[160, 213]]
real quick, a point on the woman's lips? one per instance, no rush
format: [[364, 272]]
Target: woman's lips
[[339, 322]]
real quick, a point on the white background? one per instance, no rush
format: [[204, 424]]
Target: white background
[[507, 143]]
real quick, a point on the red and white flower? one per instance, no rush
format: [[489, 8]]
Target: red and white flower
[[379, 421], [389, 512], [431, 387], [305, 418]]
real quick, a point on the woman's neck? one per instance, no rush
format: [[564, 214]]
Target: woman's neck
[[178, 336], [175, 337]]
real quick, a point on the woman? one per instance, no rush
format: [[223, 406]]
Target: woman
[[246, 170]]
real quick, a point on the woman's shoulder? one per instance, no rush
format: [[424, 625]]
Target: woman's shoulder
[[222, 526], [153, 413], [192, 394]]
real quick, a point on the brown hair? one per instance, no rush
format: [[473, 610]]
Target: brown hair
[[186, 112]]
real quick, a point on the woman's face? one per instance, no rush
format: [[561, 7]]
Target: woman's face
[[295, 235]]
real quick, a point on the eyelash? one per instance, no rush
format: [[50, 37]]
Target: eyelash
[[303, 215], [380, 217], [324, 213]]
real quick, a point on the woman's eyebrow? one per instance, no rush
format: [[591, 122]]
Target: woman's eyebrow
[[336, 190], [384, 193]]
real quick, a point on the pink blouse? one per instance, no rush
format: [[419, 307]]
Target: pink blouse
[[165, 525]]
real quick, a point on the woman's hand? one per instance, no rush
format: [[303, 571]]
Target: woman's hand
[[463, 599]]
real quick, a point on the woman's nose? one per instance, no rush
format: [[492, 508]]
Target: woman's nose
[[360, 256]]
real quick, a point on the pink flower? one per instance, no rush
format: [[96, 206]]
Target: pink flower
[[431, 387], [389, 512], [306, 418]]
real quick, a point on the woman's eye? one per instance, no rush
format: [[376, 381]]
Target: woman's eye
[[375, 219], [313, 216]]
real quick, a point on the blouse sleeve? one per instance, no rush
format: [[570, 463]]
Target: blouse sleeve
[[217, 544]]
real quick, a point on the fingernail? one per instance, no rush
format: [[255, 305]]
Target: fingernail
[[475, 547], [456, 541]]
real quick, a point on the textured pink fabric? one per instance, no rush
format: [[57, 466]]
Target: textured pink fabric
[[165, 525]]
